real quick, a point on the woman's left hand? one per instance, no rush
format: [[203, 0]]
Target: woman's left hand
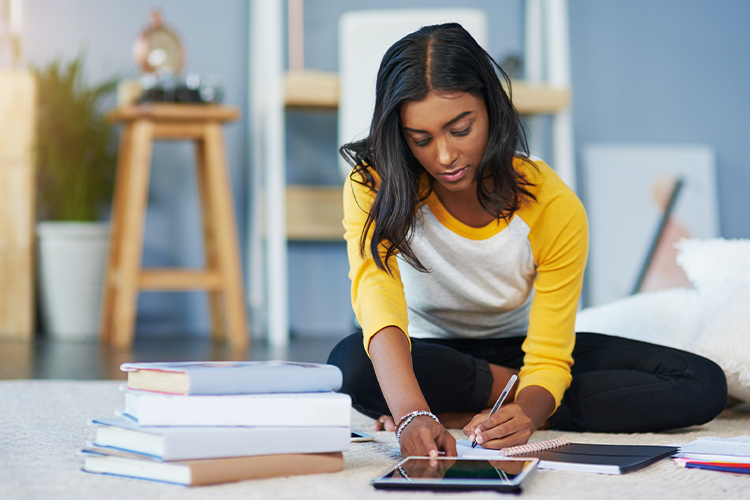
[[509, 426]]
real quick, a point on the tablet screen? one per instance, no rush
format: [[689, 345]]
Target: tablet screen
[[457, 473]]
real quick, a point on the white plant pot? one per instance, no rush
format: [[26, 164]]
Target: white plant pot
[[71, 258]]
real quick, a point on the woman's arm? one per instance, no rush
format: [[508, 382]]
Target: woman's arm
[[380, 305], [391, 358], [559, 242]]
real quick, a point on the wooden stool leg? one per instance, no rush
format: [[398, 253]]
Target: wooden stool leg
[[115, 232], [209, 239], [222, 210], [131, 236]]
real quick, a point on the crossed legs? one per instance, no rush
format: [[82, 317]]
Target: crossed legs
[[619, 385]]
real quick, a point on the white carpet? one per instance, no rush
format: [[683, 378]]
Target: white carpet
[[43, 424]]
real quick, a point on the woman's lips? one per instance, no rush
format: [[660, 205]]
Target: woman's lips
[[455, 175]]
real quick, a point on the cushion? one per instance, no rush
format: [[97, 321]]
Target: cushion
[[720, 270], [667, 317], [712, 320]]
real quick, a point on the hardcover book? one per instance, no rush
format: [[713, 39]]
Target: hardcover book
[[214, 471], [232, 377], [304, 409], [188, 443]]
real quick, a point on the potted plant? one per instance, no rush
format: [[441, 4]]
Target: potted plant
[[75, 157]]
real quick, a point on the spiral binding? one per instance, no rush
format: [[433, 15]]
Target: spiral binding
[[534, 447]]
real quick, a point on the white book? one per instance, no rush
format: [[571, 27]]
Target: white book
[[311, 409], [189, 443]]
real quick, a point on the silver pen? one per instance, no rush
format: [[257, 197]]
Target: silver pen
[[499, 403]]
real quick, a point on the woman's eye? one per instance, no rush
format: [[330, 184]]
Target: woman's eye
[[420, 144], [462, 133]]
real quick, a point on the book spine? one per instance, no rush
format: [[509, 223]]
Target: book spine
[[334, 410], [325, 378], [256, 441], [218, 471]]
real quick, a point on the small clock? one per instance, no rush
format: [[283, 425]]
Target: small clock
[[158, 49]]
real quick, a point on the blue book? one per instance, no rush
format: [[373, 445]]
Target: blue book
[[232, 377]]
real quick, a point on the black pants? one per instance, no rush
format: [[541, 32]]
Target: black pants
[[619, 385]]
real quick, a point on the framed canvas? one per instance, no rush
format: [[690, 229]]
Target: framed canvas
[[627, 188], [360, 57]]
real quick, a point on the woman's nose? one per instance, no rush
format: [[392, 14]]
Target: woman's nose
[[446, 155]]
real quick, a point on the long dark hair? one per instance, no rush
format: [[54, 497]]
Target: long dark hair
[[442, 58]]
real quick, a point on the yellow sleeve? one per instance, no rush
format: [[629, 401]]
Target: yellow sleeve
[[378, 298], [559, 242]]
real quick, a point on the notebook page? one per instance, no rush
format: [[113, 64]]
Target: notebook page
[[739, 446], [463, 447]]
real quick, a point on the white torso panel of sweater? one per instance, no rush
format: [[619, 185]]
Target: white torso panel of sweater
[[475, 288]]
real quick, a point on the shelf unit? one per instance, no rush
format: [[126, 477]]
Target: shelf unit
[[287, 212], [313, 213], [18, 91]]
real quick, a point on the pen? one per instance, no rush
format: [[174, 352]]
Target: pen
[[499, 402]]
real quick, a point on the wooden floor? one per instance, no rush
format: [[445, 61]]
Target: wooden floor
[[44, 359]]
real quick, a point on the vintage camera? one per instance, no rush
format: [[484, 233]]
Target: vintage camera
[[193, 88]]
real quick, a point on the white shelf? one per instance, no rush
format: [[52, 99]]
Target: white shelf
[[314, 213], [311, 89]]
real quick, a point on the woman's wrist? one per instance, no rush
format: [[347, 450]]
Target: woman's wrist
[[537, 403], [391, 359], [407, 419]]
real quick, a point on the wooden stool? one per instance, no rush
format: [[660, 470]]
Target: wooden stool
[[222, 276]]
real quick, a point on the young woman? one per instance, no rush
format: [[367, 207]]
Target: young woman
[[467, 260]]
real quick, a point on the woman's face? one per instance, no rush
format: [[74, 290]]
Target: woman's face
[[447, 132]]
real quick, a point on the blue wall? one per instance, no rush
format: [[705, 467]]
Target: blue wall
[[643, 71], [668, 71]]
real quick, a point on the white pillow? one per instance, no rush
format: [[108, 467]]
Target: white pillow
[[667, 317], [720, 269]]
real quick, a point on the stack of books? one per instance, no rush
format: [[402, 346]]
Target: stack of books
[[199, 423], [719, 454]]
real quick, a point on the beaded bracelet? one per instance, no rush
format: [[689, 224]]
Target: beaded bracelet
[[403, 474], [406, 420], [401, 420], [416, 413]]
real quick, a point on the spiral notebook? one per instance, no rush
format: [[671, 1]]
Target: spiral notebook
[[560, 454]]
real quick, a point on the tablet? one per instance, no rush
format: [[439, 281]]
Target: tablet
[[458, 474]]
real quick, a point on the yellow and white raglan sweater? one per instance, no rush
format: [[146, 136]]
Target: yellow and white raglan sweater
[[501, 280]]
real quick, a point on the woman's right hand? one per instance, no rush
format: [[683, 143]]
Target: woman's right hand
[[425, 438]]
